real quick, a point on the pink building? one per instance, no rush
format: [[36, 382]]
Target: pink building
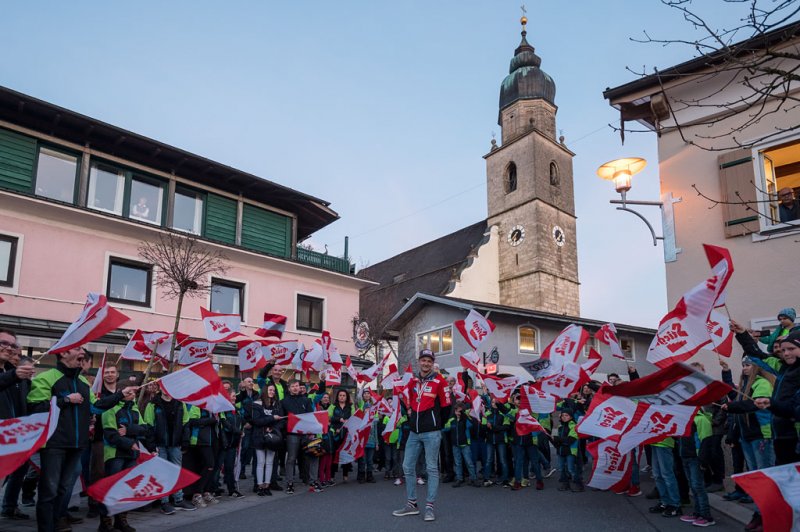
[[77, 196]]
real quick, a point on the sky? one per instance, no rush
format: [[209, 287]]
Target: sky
[[384, 109]]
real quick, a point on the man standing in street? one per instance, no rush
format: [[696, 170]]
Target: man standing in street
[[428, 408]]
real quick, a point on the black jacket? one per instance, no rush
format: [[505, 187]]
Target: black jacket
[[263, 419], [297, 404], [231, 424], [13, 393], [165, 423]]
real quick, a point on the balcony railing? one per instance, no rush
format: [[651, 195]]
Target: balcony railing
[[321, 260]]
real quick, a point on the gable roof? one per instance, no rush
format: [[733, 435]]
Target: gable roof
[[431, 268]]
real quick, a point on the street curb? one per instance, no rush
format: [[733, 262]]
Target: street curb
[[736, 511]]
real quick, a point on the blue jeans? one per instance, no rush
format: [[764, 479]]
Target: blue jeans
[[664, 475], [759, 454], [487, 468], [697, 483], [366, 461], [462, 455], [478, 450], [13, 487], [635, 468], [172, 455], [570, 467], [429, 441], [522, 456]]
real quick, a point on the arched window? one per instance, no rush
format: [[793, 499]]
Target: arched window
[[511, 177], [554, 175], [528, 339]]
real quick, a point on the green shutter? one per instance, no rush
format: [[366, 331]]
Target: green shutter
[[17, 157], [220, 223], [266, 231]]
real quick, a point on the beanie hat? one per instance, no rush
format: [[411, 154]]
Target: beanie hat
[[789, 313], [567, 411], [792, 338]]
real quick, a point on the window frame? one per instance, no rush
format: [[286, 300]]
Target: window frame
[[229, 283], [187, 191], [767, 229], [321, 300], [128, 176], [507, 182], [121, 261], [63, 151], [12, 260], [438, 330], [632, 341], [536, 340]]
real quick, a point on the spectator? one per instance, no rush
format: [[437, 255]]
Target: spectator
[[266, 419], [566, 442], [788, 205], [786, 325]]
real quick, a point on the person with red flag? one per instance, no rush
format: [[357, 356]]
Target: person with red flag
[[459, 428], [297, 404], [339, 412], [524, 446]]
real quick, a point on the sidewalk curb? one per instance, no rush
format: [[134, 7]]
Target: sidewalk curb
[[736, 511]]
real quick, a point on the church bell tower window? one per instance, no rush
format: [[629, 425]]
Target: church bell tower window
[[511, 178]]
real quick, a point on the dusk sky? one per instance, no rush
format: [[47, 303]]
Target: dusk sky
[[385, 109]]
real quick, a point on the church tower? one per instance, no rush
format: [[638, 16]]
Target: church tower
[[530, 193]]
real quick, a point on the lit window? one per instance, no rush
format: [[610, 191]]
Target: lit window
[[106, 188], [146, 198], [782, 183], [527, 340], [8, 256], [129, 282], [55, 175], [439, 341], [188, 212], [309, 313], [227, 297]]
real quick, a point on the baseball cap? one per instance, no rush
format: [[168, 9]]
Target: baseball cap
[[427, 353]]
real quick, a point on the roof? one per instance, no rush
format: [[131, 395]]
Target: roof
[[49, 119], [419, 300], [747, 46], [431, 268]]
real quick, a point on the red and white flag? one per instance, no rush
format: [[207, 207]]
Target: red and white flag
[[251, 354], [22, 436], [526, 423], [475, 329], [274, 325], [220, 327], [684, 330], [393, 419], [611, 469], [720, 333], [567, 381], [357, 431], [142, 344], [537, 400], [402, 381], [97, 384], [314, 359], [477, 406], [593, 362], [351, 370], [310, 423], [371, 373], [608, 416], [678, 384], [150, 480], [608, 335], [499, 387], [199, 385], [333, 358], [282, 353], [653, 423], [331, 376], [193, 350], [388, 381], [776, 492], [568, 344], [96, 319], [471, 361]]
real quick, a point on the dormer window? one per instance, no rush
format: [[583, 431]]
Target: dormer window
[[511, 178]]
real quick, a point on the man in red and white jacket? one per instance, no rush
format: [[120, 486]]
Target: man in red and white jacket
[[428, 406]]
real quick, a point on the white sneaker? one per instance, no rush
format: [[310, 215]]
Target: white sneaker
[[210, 499], [198, 501], [398, 482], [420, 481]]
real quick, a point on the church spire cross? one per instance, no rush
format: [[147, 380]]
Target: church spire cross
[[524, 19]]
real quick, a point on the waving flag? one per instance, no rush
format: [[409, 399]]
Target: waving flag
[[608, 416], [150, 480], [678, 384], [333, 358], [568, 344], [357, 431], [393, 419], [611, 469], [96, 319], [536, 400], [97, 384], [348, 366], [21, 437], [499, 388], [388, 380], [331, 376], [193, 350], [776, 492], [142, 344], [471, 361], [251, 354], [197, 385], [608, 335], [526, 423], [477, 406], [567, 381], [274, 325], [220, 327], [720, 333], [310, 423], [653, 423], [282, 353], [314, 359], [594, 360], [372, 372], [475, 329]]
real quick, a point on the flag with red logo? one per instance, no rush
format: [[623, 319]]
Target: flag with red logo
[[684, 330], [499, 387], [608, 335], [568, 344], [537, 400], [97, 384], [22, 436], [310, 423], [678, 384], [776, 492], [220, 327], [593, 362], [567, 381], [357, 431], [192, 350], [331, 376], [653, 423], [199, 385], [96, 319], [251, 354], [611, 469], [151, 479], [720, 333], [274, 325], [142, 344], [526, 423], [470, 361], [282, 353], [475, 328], [607, 417]]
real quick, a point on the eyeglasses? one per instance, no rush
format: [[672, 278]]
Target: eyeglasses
[[8, 345]]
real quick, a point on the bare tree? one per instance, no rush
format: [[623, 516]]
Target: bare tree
[[183, 266], [747, 77]]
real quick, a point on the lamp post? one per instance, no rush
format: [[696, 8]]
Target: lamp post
[[621, 172]]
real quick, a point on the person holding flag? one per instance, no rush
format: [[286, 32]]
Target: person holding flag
[[296, 403], [565, 440], [428, 405]]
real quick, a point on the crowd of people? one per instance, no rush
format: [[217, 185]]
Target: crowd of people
[[438, 435]]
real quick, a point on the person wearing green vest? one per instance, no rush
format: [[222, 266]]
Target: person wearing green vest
[[689, 449], [666, 481], [459, 427], [565, 439], [786, 325], [497, 423]]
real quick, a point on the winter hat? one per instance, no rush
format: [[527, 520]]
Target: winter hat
[[567, 411], [792, 338], [789, 313]]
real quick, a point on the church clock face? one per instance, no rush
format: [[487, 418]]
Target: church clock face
[[516, 235], [559, 236]]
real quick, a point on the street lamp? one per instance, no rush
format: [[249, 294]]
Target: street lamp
[[621, 172]]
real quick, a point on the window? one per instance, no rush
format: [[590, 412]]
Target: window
[[55, 175], [106, 188], [439, 341], [146, 198], [188, 212], [129, 282], [554, 180], [781, 184], [511, 178], [309, 313], [227, 297], [528, 338], [8, 259], [627, 346]]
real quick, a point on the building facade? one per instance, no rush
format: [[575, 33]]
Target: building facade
[[78, 197]]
